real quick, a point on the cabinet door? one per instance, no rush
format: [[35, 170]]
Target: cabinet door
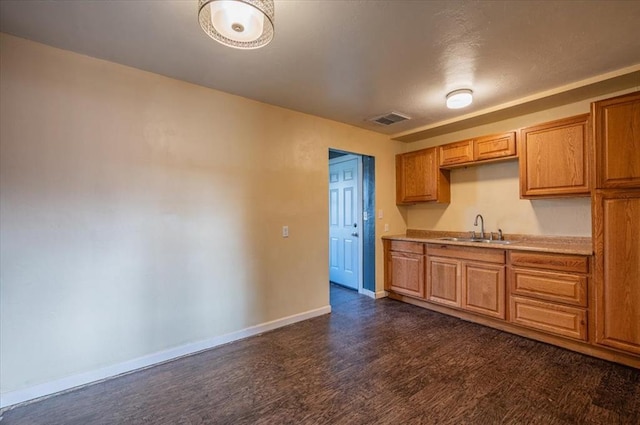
[[444, 281], [406, 273], [484, 289], [419, 179], [456, 153], [617, 141], [617, 276], [554, 159], [493, 147]]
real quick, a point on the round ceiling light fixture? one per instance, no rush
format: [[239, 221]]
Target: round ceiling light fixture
[[242, 24], [459, 98]]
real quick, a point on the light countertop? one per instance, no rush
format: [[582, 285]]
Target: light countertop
[[555, 244]]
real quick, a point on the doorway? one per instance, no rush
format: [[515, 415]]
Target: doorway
[[352, 221]]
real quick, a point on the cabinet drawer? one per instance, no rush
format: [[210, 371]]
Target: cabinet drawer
[[549, 317], [407, 246], [488, 255], [560, 287], [559, 262]]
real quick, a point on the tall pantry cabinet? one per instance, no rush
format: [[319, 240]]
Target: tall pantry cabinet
[[616, 221]]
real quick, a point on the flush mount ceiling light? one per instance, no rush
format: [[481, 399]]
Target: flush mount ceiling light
[[459, 99], [243, 24]]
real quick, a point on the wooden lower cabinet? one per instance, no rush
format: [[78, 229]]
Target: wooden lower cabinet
[[458, 277], [547, 296], [617, 275], [484, 289], [405, 268], [443, 275], [549, 292]]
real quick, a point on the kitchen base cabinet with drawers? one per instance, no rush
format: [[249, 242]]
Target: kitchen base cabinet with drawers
[[545, 296], [548, 292]]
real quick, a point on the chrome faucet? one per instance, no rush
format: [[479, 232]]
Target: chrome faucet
[[475, 223]]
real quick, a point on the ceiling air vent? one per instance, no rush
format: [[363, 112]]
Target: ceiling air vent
[[390, 118]]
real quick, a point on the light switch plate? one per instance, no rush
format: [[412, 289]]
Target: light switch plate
[[285, 231]]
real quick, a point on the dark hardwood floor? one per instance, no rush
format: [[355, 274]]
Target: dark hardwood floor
[[369, 362]]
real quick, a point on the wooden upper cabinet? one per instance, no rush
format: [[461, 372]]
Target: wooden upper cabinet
[[496, 146], [617, 141], [554, 159], [483, 149], [456, 153], [616, 216], [419, 178]]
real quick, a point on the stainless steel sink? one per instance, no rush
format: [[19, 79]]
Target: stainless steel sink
[[476, 240]]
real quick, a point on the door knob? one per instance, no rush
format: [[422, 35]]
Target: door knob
[[354, 234]]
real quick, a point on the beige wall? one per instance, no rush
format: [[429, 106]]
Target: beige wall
[[140, 213], [493, 189]]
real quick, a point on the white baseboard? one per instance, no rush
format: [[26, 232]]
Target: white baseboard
[[13, 398], [374, 295]]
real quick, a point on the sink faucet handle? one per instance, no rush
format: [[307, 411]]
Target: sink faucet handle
[[473, 234]]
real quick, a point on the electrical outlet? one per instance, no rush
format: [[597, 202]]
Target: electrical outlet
[[285, 231], [380, 215], [386, 227]]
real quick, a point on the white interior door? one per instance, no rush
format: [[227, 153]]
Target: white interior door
[[345, 211]]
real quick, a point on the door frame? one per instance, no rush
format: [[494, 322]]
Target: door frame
[[367, 241], [359, 208]]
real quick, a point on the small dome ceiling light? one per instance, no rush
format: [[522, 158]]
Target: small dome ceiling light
[[242, 24], [459, 98]]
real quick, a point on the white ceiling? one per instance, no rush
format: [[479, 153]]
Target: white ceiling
[[352, 60]]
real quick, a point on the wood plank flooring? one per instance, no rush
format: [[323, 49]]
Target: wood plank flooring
[[369, 362]]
